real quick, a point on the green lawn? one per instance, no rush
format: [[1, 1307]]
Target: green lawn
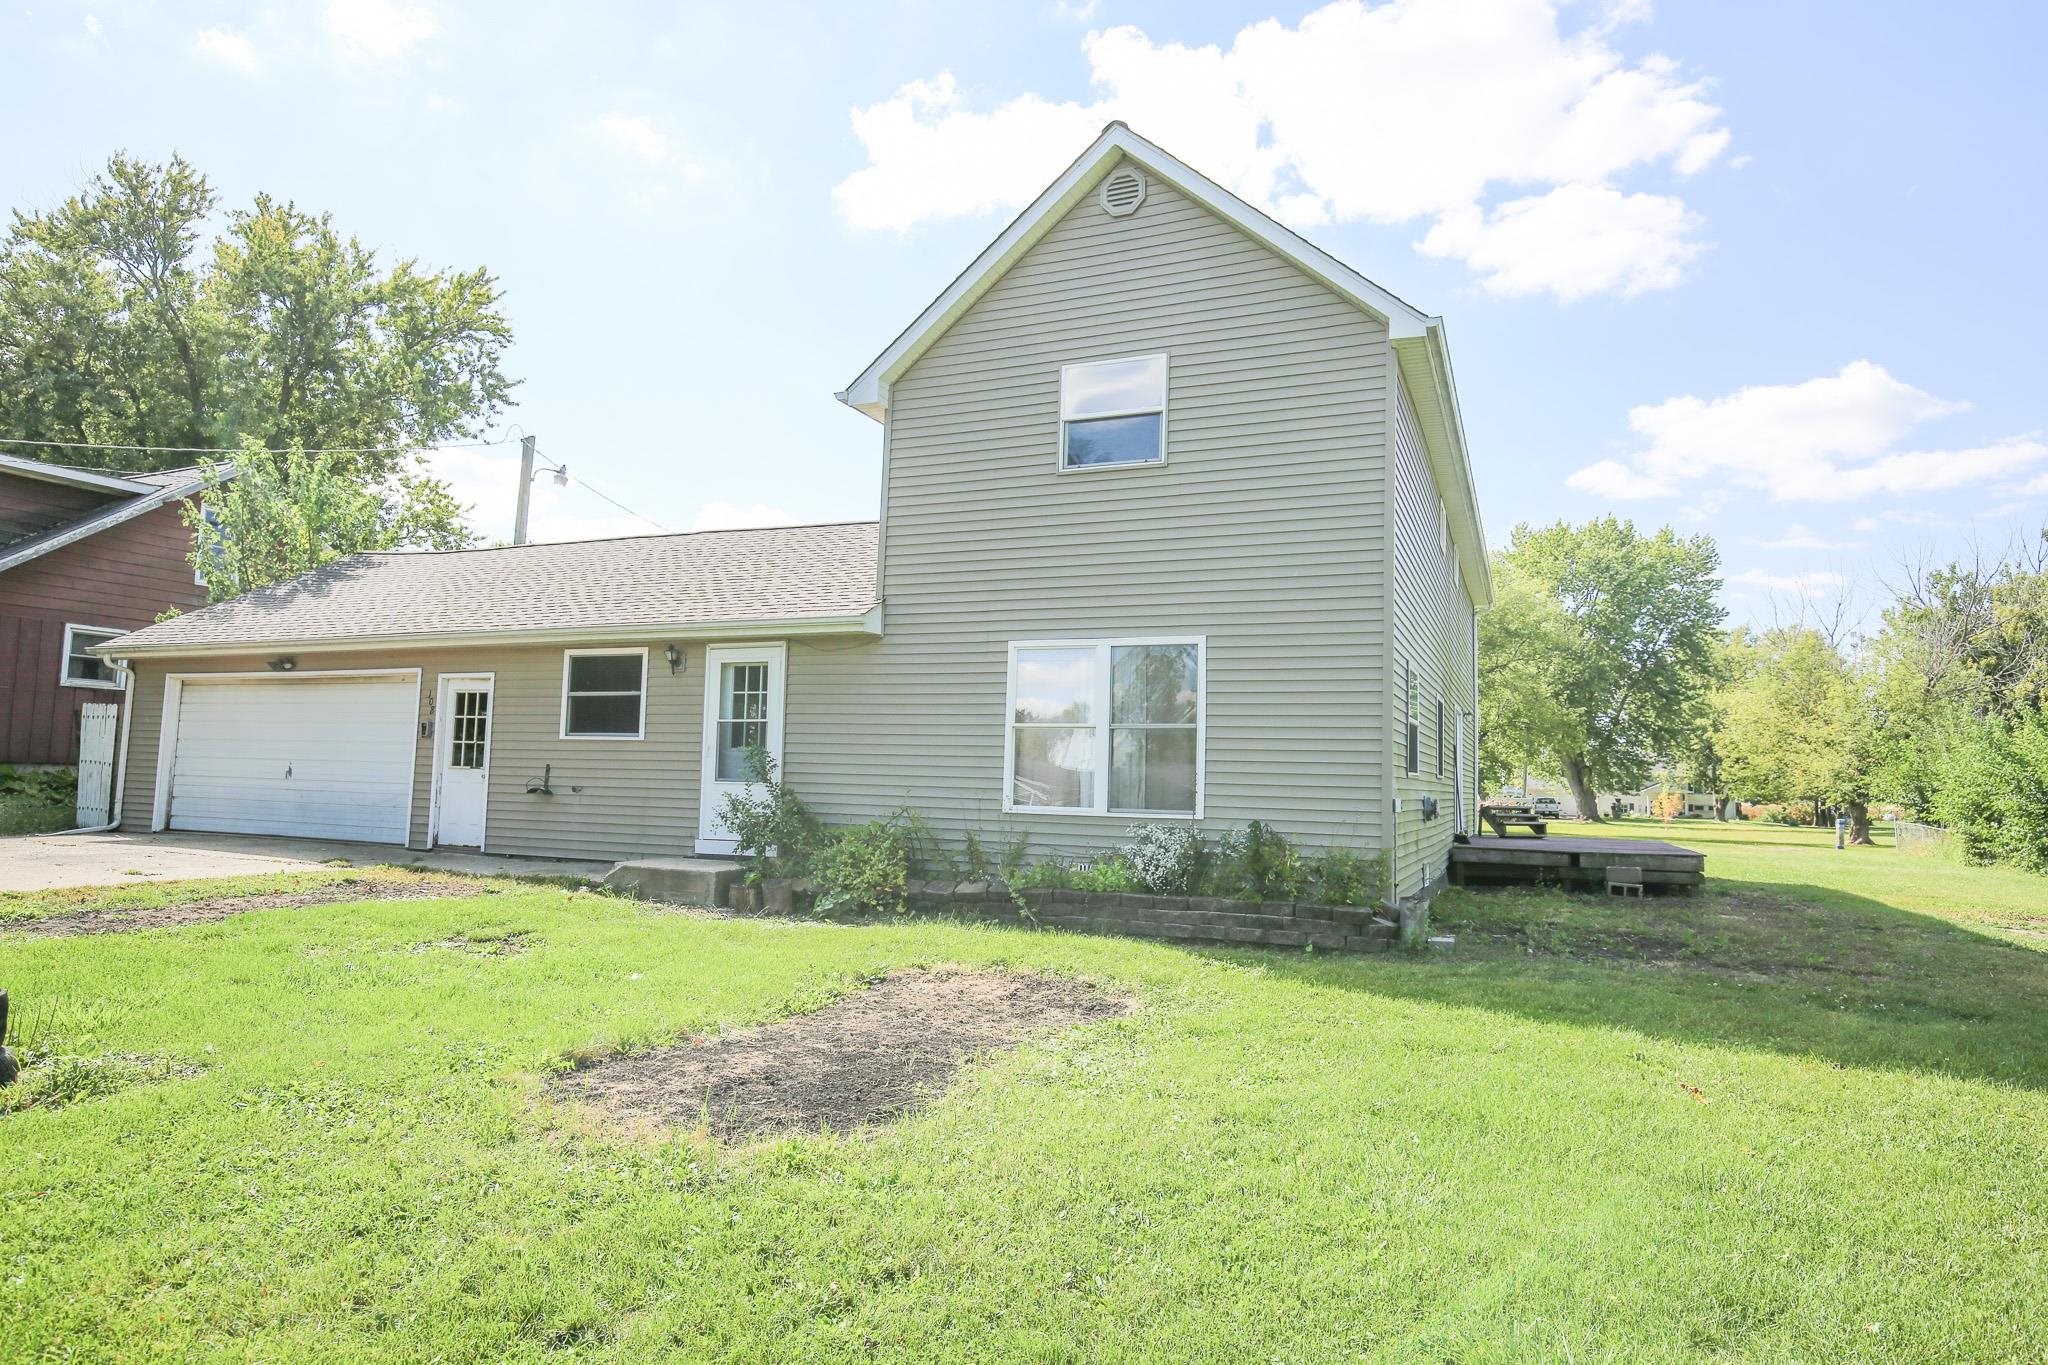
[[1803, 1116]]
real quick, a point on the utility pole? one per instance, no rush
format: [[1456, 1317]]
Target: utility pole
[[525, 489]]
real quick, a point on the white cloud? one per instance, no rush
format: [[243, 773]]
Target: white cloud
[[1832, 439], [378, 30], [1575, 241], [1613, 479], [486, 482], [1864, 524], [1412, 109], [439, 104], [2039, 484], [726, 516], [1077, 11], [1798, 537], [225, 47], [92, 26], [1800, 585], [660, 157]]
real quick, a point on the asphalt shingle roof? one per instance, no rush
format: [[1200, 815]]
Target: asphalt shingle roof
[[773, 574]]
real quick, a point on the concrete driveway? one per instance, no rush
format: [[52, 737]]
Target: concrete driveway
[[46, 862]]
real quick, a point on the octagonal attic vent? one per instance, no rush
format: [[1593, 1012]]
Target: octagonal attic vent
[[1122, 193]]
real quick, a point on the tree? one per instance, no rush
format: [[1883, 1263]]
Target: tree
[[284, 512], [1601, 646], [118, 327]]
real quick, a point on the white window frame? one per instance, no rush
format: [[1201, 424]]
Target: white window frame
[[1104, 648], [64, 677], [1165, 360], [568, 654]]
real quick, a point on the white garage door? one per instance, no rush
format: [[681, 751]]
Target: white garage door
[[315, 757]]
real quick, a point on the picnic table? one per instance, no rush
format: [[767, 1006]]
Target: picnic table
[[1501, 819]]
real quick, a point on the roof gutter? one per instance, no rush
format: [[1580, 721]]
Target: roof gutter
[[867, 623]]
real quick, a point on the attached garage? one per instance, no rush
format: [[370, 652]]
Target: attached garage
[[320, 756]]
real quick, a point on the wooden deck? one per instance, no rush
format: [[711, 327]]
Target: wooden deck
[[1488, 860]]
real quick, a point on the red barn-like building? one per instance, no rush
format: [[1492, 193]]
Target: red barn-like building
[[84, 556]]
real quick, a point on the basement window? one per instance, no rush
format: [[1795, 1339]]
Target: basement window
[[82, 669], [604, 693], [1113, 412]]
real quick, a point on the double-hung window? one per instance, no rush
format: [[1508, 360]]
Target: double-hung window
[[83, 669], [1113, 412], [1411, 739], [1106, 727], [604, 693]]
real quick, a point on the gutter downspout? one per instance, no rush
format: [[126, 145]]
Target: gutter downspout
[[120, 754]]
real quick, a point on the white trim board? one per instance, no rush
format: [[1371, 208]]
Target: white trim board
[[868, 622], [105, 519], [64, 678], [598, 652]]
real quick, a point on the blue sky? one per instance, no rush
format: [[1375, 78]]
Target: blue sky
[[1770, 271]]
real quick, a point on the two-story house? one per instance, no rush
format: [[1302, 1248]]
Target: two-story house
[[85, 557], [1176, 523]]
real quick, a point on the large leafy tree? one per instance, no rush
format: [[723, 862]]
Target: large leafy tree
[[1799, 721], [274, 514], [120, 323], [1601, 649]]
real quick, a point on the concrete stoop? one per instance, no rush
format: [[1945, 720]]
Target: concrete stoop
[[705, 882]]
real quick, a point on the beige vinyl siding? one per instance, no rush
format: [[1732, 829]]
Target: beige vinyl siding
[[1261, 531], [1433, 619], [613, 798]]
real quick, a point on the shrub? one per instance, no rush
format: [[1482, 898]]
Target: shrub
[[1258, 864], [1993, 795], [768, 815], [1109, 872], [1344, 877], [1166, 859], [864, 867]]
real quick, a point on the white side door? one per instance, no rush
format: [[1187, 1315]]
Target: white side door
[[462, 759], [742, 709]]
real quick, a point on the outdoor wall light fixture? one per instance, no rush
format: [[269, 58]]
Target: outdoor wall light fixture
[[283, 663], [675, 660]]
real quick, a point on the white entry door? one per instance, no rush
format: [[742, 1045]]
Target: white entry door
[[742, 710], [462, 760]]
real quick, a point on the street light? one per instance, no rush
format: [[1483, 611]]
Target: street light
[[526, 473]]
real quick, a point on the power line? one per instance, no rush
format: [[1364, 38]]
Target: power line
[[236, 450], [590, 487]]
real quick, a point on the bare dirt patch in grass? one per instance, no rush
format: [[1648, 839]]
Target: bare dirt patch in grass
[[123, 920], [874, 1056]]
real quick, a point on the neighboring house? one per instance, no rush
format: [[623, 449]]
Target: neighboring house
[[1177, 523], [1693, 805], [84, 557]]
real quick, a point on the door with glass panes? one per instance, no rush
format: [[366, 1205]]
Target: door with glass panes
[[742, 713]]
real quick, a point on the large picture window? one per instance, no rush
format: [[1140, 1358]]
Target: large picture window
[[1113, 412], [1106, 727], [604, 693]]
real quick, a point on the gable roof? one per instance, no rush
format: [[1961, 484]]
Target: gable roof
[[147, 493], [784, 579], [1418, 338]]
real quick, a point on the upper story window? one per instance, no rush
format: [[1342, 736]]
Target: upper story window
[[1113, 412], [82, 669], [604, 693]]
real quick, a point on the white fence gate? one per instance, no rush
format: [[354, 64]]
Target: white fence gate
[[97, 725]]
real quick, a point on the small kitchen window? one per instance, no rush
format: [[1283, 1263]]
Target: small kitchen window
[[83, 669], [1113, 412], [604, 693]]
